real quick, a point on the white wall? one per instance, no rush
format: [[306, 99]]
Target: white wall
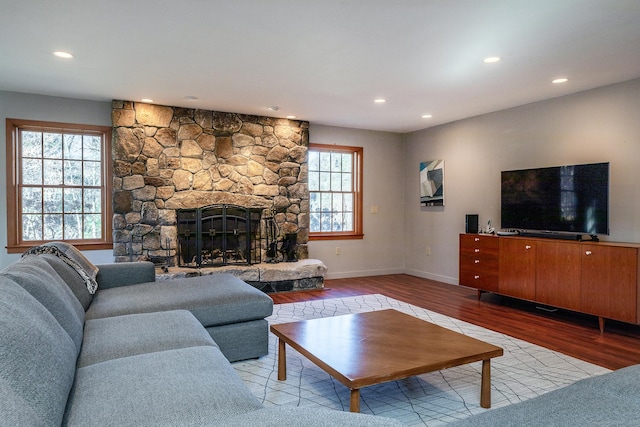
[[381, 251], [600, 125], [593, 126], [52, 109]]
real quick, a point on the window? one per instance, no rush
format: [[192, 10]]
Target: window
[[58, 187], [335, 192]]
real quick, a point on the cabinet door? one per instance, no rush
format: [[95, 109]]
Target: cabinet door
[[517, 277], [558, 274], [609, 281]]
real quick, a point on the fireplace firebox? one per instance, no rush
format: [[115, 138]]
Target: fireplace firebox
[[219, 235]]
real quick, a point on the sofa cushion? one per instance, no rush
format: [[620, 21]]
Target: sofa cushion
[[129, 335], [15, 409], [40, 279], [78, 257], [125, 273], [242, 340], [51, 249], [75, 282], [37, 360], [216, 299], [624, 382], [597, 401], [283, 416], [189, 386]]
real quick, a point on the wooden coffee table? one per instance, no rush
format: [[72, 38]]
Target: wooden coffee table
[[370, 348]]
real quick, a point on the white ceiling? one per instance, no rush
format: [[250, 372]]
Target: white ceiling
[[322, 60]]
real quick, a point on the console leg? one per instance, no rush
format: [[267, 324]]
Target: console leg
[[601, 324], [479, 294]]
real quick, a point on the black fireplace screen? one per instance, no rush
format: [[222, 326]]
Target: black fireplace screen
[[219, 235]]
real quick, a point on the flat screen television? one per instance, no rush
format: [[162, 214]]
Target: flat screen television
[[565, 199]]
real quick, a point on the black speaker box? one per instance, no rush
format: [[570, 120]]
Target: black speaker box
[[471, 224]]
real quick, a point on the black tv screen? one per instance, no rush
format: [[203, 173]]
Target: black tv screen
[[571, 199]]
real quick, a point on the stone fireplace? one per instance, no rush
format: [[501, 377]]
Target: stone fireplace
[[167, 159]]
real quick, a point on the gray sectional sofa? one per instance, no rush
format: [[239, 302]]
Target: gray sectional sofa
[[134, 352]]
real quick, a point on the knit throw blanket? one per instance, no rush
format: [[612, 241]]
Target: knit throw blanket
[[92, 285]]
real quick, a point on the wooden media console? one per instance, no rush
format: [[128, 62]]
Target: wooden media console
[[596, 278]]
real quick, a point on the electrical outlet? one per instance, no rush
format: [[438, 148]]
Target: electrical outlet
[[338, 250], [428, 251], [374, 209]]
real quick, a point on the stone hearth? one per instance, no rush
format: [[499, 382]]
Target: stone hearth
[[304, 274]]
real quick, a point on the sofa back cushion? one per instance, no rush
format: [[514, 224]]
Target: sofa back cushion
[[37, 360], [38, 278], [73, 257], [74, 254], [75, 282]]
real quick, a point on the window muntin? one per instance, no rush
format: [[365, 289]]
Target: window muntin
[[58, 187], [335, 191]]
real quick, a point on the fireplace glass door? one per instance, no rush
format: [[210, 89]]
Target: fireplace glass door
[[219, 235]]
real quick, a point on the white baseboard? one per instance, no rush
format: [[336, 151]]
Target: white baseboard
[[431, 276], [417, 273], [350, 274]]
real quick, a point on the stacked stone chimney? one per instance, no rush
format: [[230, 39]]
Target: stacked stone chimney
[[168, 158]]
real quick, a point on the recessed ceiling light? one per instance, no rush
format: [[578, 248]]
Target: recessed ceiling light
[[64, 55], [491, 59], [380, 100], [191, 97], [560, 80], [147, 100], [426, 116], [273, 108], [291, 117]]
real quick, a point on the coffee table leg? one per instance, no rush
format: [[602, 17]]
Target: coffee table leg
[[282, 360], [485, 385], [354, 404]]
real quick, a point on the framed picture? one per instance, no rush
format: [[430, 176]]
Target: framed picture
[[432, 183]]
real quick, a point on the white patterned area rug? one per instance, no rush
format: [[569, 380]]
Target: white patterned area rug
[[525, 371]]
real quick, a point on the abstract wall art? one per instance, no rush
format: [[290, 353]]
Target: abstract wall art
[[432, 183]]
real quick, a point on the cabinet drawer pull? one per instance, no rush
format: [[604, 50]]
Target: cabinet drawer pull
[[527, 247], [587, 253], [477, 239], [476, 277], [476, 250], [476, 261]]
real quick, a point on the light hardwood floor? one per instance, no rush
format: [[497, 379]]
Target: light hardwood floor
[[570, 333]]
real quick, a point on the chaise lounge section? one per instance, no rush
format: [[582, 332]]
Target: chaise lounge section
[[231, 311]]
